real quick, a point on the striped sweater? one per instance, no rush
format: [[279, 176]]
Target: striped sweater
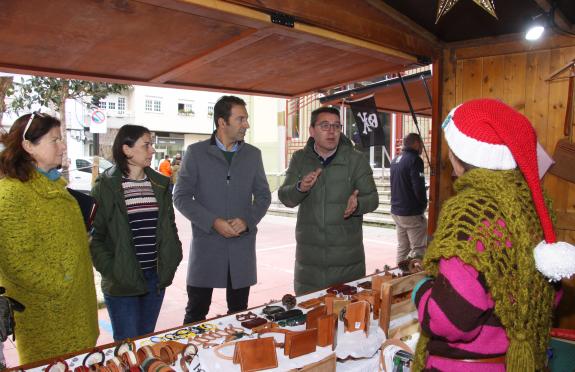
[[143, 217]]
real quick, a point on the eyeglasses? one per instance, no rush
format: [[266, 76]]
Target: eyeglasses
[[32, 116], [325, 126]]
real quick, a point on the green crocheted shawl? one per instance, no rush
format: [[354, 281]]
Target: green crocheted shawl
[[523, 297]]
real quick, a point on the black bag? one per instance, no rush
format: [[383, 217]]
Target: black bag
[[7, 307]]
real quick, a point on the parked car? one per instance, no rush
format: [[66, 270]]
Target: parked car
[[80, 172]]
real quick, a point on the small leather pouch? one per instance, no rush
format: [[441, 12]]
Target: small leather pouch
[[344, 289], [256, 354], [285, 315], [357, 317], [272, 309], [300, 343], [313, 315], [326, 330], [250, 324]]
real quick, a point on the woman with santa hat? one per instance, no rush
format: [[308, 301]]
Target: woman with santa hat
[[494, 260]]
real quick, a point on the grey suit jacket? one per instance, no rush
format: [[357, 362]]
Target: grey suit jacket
[[207, 188]]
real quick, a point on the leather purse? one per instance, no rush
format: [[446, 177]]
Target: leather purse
[[256, 354], [344, 289], [313, 315], [300, 343], [252, 323], [356, 317], [285, 315], [327, 330]]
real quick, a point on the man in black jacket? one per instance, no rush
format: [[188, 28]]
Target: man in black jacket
[[409, 199]]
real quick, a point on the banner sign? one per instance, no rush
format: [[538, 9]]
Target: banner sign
[[367, 121]]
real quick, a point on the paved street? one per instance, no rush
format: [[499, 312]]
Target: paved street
[[275, 255]]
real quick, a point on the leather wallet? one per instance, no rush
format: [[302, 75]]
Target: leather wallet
[[357, 317], [256, 354], [327, 330], [300, 343], [285, 315], [249, 324], [313, 315]]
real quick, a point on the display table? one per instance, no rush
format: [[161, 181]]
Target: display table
[[355, 350]]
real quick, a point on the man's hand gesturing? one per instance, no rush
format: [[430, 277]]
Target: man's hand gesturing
[[309, 180], [351, 204]]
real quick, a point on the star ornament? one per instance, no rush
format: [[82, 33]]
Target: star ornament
[[446, 5]]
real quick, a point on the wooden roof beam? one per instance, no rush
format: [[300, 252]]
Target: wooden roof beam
[[231, 45], [558, 17], [245, 16]]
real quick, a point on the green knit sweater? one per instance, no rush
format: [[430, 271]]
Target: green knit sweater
[[523, 297], [45, 264]]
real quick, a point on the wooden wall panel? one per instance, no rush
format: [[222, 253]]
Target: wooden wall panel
[[519, 79]]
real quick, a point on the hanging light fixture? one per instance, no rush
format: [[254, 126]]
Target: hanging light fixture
[[536, 27]]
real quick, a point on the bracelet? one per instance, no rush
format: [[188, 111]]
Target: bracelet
[[218, 352], [94, 352], [55, 364]]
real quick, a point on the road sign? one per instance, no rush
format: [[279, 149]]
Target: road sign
[[98, 121]]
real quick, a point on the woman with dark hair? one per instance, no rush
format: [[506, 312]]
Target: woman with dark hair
[[135, 243], [44, 256]]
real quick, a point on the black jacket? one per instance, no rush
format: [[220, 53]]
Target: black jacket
[[408, 197]]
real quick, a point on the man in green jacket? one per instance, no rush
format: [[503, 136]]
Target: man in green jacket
[[333, 185]]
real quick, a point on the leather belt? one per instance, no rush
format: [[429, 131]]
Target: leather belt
[[499, 359]]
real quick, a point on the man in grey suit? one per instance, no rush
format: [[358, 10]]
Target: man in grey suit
[[222, 189]]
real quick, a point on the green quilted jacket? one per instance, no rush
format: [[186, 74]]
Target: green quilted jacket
[[329, 247]]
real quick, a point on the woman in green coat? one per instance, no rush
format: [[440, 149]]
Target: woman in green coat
[[45, 260]]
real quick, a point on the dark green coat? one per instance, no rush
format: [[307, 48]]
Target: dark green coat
[[113, 251], [329, 247]]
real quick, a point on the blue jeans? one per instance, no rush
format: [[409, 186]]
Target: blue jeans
[[133, 316]]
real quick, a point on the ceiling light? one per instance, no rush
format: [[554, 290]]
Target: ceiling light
[[534, 32]]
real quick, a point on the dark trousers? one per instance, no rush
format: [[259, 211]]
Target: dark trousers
[[200, 299]]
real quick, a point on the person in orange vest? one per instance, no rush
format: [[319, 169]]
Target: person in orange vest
[[165, 167]]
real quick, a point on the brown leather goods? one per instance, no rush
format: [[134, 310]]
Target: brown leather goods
[[252, 323], [168, 351], [343, 289], [327, 330], [564, 157], [256, 354], [370, 296], [357, 317], [334, 305], [275, 330], [300, 343], [364, 285], [308, 304], [155, 365], [267, 325], [312, 316], [146, 352]]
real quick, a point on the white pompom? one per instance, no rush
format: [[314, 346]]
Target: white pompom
[[555, 260]]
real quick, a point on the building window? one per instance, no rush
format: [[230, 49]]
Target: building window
[[153, 105], [111, 105], [121, 105], [186, 109], [103, 104], [210, 110]]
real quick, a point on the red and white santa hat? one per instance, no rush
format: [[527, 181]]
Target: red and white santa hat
[[489, 134]]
